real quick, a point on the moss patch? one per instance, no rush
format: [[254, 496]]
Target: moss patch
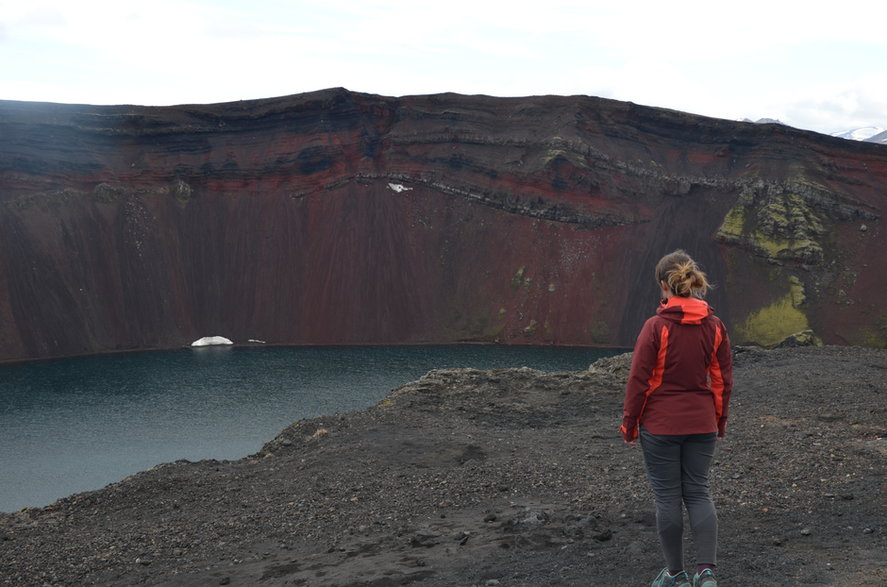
[[774, 323], [518, 278], [796, 290], [877, 336], [778, 224], [565, 155], [733, 226], [181, 192], [599, 332]]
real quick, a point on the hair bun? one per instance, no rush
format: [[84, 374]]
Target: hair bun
[[681, 274]]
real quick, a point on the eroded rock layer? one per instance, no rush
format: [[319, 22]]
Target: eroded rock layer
[[342, 218]]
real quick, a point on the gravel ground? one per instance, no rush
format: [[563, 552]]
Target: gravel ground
[[503, 477]]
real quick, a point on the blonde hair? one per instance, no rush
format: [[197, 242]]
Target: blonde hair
[[682, 276]]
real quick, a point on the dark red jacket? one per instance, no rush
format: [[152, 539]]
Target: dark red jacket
[[681, 372]]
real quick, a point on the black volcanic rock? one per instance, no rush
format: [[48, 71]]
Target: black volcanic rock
[[336, 217]]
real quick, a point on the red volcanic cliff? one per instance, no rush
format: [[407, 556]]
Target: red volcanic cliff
[[342, 218]]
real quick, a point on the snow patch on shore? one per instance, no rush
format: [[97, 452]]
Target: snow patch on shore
[[211, 341]]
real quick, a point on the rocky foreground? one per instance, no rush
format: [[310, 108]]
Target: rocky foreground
[[503, 477]]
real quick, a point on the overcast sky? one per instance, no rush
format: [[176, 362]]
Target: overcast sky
[[815, 65]]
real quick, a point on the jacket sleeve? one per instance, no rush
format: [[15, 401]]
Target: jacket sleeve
[[643, 361], [722, 380]]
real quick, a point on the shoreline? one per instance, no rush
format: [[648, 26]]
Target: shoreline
[[5, 362], [78, 425]]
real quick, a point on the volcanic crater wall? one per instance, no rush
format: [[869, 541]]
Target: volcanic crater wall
[[342, 218]]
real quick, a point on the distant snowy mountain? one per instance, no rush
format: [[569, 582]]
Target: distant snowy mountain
[[869, 134], [866, 134], [880, 138]]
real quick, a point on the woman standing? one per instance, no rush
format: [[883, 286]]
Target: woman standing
[[676, 401]]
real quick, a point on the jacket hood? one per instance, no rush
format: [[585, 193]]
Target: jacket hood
[[684, 310]]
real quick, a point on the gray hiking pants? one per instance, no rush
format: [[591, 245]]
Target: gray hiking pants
[[677, 467]]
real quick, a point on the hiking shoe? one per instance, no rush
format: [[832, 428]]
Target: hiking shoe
[[704, 579], [682, 579]]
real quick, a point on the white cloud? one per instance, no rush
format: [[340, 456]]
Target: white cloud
[[816, 66], [837, 108]]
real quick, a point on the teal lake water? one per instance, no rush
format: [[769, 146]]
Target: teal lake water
[[76, 425]]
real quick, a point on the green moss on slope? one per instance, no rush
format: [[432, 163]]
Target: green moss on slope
[[772, 324], [777, 224]]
